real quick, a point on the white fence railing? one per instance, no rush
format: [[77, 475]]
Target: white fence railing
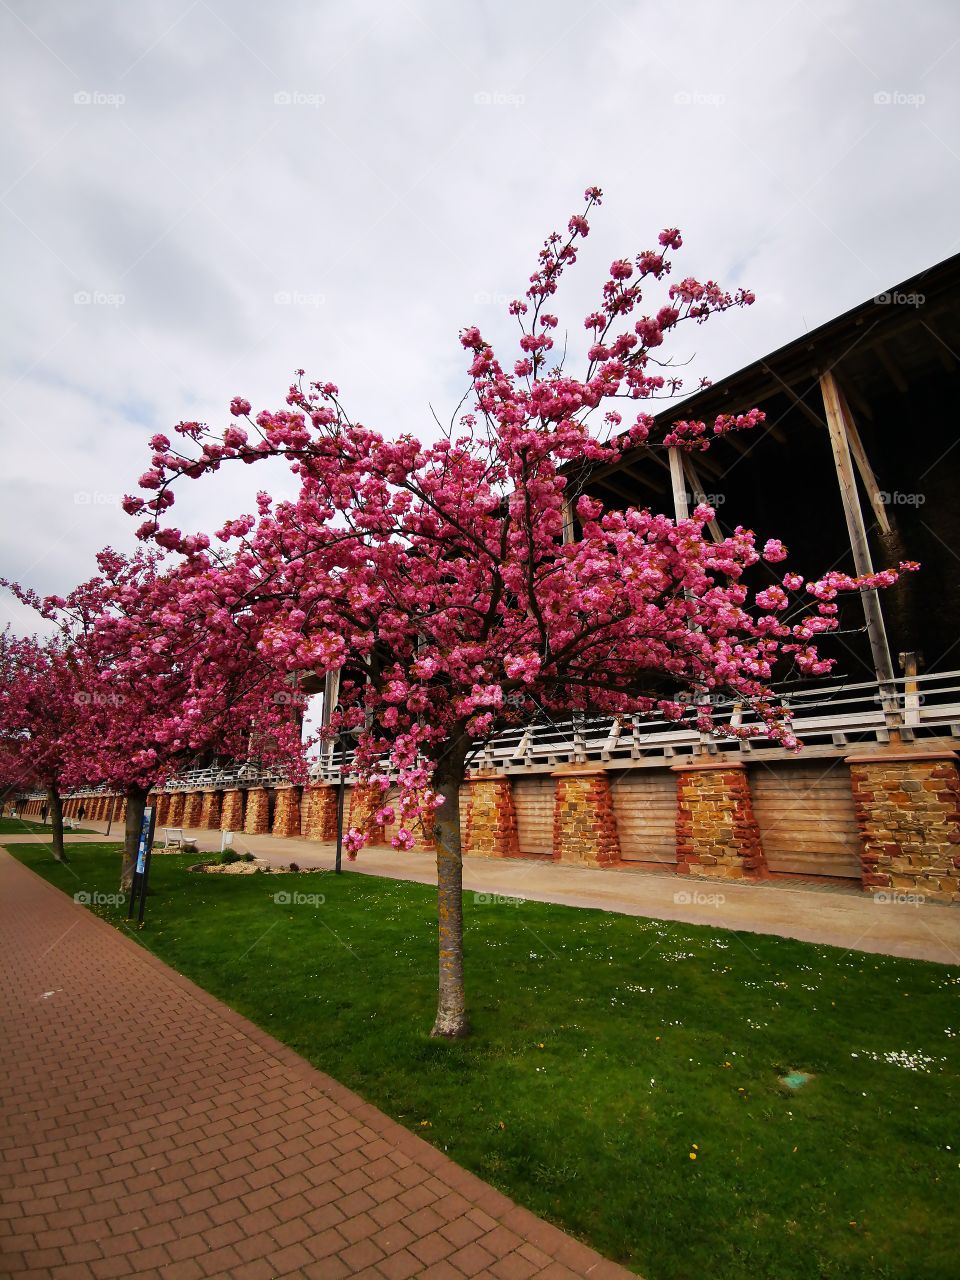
[[828, 719]]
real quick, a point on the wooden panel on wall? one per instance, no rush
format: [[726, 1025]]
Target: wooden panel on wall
[[645, 806], [390, 829], [533, 799], [806, 817], [393, 798]]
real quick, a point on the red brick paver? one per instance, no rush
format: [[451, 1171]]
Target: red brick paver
[[150, 1131]]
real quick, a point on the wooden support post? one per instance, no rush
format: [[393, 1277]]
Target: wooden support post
[[700, 495], [911, 691], [681, 507], [331, 695], [568, 526], [863, 465], [863, 564]]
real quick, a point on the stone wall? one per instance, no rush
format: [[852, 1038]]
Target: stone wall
[[192, 809], [491, 826], [907, 804], [319, 817], [365, 800], [231, 812], [286, 814], [584, 826], [210, 810], [256, 820], [908, 809], [717, 834]]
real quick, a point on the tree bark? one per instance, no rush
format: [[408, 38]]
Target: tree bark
[[136, 803], [55, 807], [451, 1022]]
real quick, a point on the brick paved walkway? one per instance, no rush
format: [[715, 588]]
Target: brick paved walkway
[[150, 1131]]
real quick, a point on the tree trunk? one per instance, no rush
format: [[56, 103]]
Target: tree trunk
[[136, 803], [452, 1022], [56, 823]]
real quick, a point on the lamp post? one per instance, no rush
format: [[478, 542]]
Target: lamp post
[[339, 743], [341, 794]]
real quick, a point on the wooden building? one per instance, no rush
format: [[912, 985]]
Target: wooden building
[[856, 467]]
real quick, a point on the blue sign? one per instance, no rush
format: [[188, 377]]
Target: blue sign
[[144, 844]]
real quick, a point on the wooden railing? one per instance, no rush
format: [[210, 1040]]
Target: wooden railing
[[829, 720]]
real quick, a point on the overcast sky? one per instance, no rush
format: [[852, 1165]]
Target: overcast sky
[[199, 196]]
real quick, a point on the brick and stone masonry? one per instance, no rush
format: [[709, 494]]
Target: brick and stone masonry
[[192, 809], [163, 808], [584, 826], [423, 840], [286, 814], [210, 811], [717, 834], [365, 800], [257, 817], [908, 810], [231, 813], [175, 811], [319, 817], [491, 828]]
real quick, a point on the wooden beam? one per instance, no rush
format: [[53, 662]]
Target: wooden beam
[[858, 402], [655, 455], [700, 495], [911, 692], [626, 495], [331, 696], [640, 478], [569, 532], [856, 530], [944, 353], [894, 373], [800, 403], [707, 460], [681, 508], [733, 439], [863, 464]]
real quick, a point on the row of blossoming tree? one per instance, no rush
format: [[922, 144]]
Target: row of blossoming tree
[[437, 578], [132, 686]]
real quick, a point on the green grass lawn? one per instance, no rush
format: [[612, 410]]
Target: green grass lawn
[[28, 827], [607, 1051]]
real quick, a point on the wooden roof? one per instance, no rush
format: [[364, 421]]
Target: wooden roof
[[882, 346]]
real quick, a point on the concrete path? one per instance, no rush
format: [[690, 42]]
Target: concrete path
[[150, 1131], [69, 837], [838, 917]]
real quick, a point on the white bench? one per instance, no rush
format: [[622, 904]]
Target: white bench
[[173, 837]]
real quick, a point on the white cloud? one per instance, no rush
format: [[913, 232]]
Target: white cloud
[[415, 159]]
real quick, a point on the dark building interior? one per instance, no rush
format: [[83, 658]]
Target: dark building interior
[[895, 359]]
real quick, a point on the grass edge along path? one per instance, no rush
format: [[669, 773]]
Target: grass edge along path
[[624, 1076], [25, 827]]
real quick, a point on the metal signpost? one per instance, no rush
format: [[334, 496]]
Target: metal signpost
[[141, 874], [341, 792]]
